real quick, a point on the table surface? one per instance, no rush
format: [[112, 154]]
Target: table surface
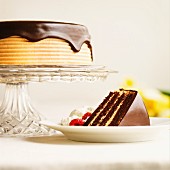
[[57, 152]]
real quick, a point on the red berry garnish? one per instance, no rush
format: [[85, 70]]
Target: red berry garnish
[[86, 115], [76, 122]]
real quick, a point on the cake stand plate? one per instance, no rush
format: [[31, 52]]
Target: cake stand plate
[[17, 115]]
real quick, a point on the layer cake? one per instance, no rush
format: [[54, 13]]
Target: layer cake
[[120, 108], [44, 43]]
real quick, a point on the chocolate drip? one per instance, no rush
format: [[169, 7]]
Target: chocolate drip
[[34, 31]]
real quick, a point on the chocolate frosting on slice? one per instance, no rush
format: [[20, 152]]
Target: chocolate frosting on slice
[[137, 114], [34, 31]]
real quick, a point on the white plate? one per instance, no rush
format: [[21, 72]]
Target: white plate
[[113, 133]]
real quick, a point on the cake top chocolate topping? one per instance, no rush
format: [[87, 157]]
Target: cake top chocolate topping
[[34, 31]]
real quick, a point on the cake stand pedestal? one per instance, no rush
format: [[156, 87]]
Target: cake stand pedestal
[[17, 115]]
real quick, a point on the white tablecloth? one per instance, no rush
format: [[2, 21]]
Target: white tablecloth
[[56, 152]]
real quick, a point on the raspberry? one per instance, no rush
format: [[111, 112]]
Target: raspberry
[[86, 115], [76, 122]]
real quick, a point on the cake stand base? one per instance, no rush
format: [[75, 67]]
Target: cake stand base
[[17, 116]]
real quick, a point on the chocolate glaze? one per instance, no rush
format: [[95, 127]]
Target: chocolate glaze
[[137, 114], [34, 31]]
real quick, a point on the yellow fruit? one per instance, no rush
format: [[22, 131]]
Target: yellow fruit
[[157, 103]]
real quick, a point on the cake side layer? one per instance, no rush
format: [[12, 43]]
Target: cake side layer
[[123, 107], [112, 113], [50, 51], [34, 31]]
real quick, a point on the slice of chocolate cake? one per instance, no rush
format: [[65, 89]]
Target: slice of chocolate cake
[[120, 108]]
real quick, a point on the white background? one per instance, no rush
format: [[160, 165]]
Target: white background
[[131, 36]]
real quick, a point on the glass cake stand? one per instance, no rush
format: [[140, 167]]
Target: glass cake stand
[[17, 115]]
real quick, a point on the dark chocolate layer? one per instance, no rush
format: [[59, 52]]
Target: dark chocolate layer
[[34, 31]]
